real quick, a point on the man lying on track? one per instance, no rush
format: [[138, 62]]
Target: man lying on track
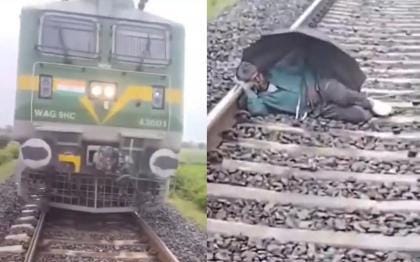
[[291, 87]]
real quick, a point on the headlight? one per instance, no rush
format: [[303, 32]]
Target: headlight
[[96, 90], [158, 97], [101, 90], [45, 86], [109, 91]]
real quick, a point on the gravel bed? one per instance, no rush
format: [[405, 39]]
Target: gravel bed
[[288, 216], [385, 85], [10, 206], [68, 230], [182, 238], [407, 111], [349, 188], [92, 235], [98, 247], [13, 257], [323, 124], [355, 25], [57, 258], [234, 30], [241, 248], [324, 139], [368, 54], [314, 163]]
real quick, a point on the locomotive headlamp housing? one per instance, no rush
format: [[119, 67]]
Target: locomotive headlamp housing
[[102, 90], [45, 86], [158, 97]]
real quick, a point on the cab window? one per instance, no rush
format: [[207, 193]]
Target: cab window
[[68, 36], [141, 43]]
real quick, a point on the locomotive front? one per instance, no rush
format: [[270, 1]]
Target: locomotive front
[[98, 104]]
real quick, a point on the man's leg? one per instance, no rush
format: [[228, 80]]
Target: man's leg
[[353, 114], [333, 92]]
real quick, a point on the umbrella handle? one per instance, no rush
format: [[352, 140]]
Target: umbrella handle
[[297, 109]]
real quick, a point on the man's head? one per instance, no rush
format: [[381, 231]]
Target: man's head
[[248, 72]]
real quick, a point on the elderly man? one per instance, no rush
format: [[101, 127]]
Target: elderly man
[[291, 87]]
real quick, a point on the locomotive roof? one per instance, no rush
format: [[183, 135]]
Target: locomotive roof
[[119, 9]]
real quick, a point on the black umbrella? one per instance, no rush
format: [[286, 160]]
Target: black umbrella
[[320, 53]]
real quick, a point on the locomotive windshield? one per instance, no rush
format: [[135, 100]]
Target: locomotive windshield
[[69, 36], [141, 44]]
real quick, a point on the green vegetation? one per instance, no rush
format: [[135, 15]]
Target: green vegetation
[[189, 186], [7, 160], [214, 7], [8, 153], [6, 170]]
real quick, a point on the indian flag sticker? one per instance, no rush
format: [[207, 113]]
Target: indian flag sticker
[[70, 86]]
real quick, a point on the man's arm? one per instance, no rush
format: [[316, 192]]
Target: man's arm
[[255, 104], [256, 107]]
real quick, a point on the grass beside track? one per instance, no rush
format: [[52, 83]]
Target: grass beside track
[[190, 183], [189, 186], [6, 170], [215, 7], [8, 157]]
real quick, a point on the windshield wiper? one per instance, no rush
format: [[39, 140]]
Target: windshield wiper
[[146, 51], [63, 45]]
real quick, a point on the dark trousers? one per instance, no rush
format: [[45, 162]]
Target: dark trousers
[[341, 103]]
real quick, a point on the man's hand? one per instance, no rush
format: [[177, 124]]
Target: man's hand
[[312, 96], [247, 87]]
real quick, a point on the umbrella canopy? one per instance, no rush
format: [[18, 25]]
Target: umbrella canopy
[[320, 53]]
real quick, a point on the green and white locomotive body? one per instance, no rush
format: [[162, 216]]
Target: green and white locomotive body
[[98, 104]]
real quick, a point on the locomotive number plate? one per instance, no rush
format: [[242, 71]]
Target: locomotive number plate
[[155, 123]]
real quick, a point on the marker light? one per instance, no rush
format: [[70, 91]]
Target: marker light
[[45, 86], [158, 98]]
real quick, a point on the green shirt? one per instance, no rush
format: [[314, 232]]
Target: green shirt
[[290, 96]]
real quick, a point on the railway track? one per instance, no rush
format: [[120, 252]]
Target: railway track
[[74, 236], [322, 190]]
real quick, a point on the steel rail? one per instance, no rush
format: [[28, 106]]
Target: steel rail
[[164, 254], [222, 115], [30, 253]]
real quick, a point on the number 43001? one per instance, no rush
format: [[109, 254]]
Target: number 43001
[[153, 122]]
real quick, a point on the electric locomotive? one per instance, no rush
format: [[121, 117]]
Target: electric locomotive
[[98, 104]]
